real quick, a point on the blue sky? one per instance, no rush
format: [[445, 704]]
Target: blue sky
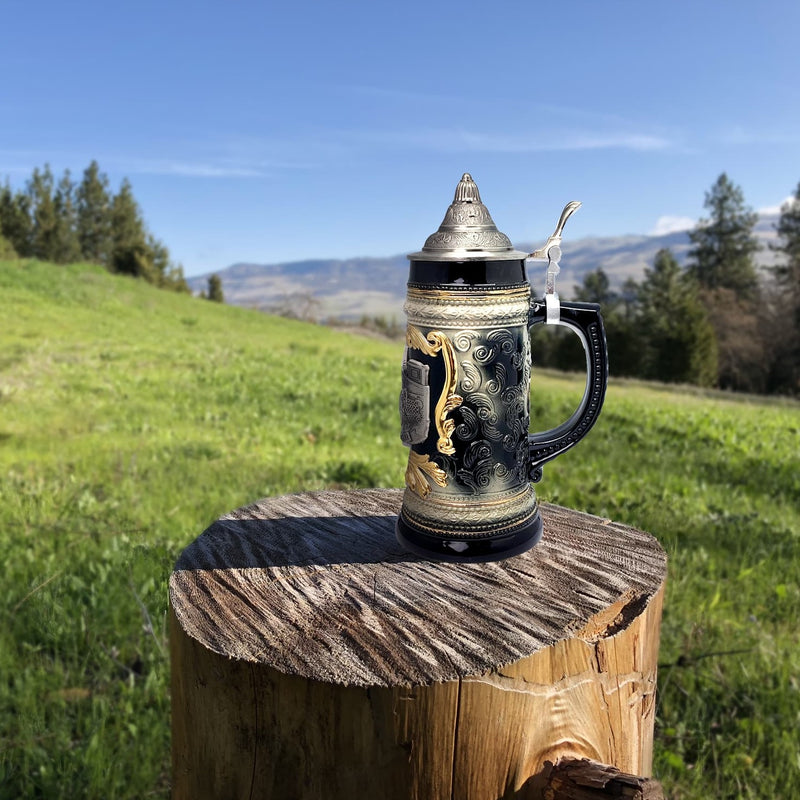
[[273, 132]]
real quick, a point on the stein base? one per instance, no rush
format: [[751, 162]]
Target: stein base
[[474, 550]]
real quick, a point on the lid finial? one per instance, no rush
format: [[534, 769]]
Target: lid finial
[[467, 232], [467, 190]]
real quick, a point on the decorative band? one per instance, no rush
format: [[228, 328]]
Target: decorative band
[[464, 530], [466, 293], [438, 310], [476, 517]]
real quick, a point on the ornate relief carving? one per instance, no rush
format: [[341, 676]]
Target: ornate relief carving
[[492, 421], [420, 466], [436, 342], [415, 401], [467, 240]]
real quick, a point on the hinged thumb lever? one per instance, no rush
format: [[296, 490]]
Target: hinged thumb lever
[[552, 252]]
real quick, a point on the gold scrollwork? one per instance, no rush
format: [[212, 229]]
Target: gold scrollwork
[[418, 467], [437, 342]]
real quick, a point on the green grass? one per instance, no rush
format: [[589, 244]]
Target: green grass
[[130, 418]]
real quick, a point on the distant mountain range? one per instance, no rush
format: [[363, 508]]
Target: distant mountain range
[[350, 288]]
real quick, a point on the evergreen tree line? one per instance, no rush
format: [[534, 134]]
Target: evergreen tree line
[[65, 222], [716, 321]]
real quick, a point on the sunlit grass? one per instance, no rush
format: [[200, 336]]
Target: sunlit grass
[[130, 418]]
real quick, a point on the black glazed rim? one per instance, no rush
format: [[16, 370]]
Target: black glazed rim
[[490, 548], [469, 273]]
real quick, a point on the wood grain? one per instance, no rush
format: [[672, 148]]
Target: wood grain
[[582, 779], [314, 658]]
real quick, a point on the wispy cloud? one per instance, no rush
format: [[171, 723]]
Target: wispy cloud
[[19, 163], [769, 210], [538, 127], [668, 223], [672, 224], [243, 157], [554, 114], [569, 141], [13, 171], [490, 142], [189, 169], [225, 162]]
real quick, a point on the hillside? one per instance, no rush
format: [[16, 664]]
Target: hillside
[[132, 417], [349, 288]]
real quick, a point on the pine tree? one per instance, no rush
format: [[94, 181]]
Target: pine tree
[[596, 288], [44, 241], [64, 223], [159, 255], [785, 338], [787, 273], [130, 253], [724, 244], [215, 289], [723, 265], [167, 275], [624, 351], [67, 249], [15, 220], [94, 215], [176, 280], [679, 343]]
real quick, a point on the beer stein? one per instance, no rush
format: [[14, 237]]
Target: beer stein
[[464, 403]]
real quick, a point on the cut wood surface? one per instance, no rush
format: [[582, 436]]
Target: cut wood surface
[[314, 658]]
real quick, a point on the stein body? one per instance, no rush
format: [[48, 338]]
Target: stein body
[[464, 402]]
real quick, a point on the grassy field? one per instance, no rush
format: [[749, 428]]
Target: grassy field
[[131, 418]]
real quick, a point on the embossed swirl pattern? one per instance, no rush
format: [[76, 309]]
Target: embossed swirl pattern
[[492, 422]]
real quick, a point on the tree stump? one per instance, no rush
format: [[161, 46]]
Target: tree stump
[[313, 658]]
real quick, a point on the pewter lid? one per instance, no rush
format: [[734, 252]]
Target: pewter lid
[[467, 232]]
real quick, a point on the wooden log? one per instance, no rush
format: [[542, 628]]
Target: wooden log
[[313, 658]]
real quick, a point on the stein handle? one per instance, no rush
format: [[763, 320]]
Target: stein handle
[[585, 320]]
